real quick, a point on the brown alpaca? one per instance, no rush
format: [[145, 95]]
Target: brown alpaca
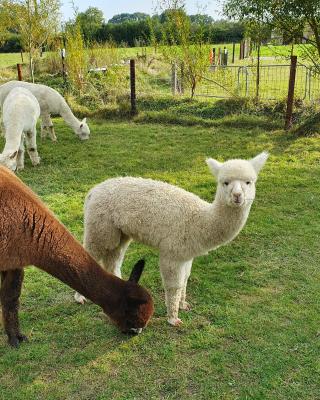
[[31, 235]]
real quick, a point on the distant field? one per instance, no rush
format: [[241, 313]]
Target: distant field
[[10, 59]]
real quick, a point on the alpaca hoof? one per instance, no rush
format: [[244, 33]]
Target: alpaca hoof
[[22, 338], [79, 298], [175, 321], [20, 167], [36, 162], [14, 341], [184, 306]]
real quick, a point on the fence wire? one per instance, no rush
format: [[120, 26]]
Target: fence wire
[[228, 81], [160, 79]]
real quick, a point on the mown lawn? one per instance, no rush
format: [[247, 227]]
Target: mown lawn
[[254, 329]]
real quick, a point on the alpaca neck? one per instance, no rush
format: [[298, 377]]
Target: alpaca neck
[[224, 222], [71, 264], [68, 116]]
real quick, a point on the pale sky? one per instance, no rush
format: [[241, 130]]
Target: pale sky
[[111, 8]]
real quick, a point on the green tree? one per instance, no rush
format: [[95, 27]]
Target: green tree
[[37, 22], [90, 21], [181, 46], [256, 16], [126, 17]]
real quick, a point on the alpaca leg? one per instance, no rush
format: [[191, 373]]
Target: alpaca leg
[[31, 141], [20, 157], [11, 283], [43, 132], [173, 277], [52, 133], [112, 260], [187, 270], [47, 127]]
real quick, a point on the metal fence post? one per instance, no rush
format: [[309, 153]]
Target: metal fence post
[[133, 87], [19, 72], [292, 80]]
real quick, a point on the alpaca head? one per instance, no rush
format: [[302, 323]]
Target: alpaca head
[[83, 132], [9, 160], [136, 304], [237, 178]]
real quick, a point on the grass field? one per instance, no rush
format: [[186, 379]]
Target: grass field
[[253, 332]]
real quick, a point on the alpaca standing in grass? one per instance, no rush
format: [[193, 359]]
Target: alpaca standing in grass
[[51, 102], [30, 234], [178, 223], [21, 111]]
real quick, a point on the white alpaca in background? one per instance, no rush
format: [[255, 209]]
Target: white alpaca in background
[[21, 111], [178, 223], [51, 102]]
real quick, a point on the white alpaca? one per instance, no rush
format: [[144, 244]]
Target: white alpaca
[[21, 111], [178, 223], [51, 102]]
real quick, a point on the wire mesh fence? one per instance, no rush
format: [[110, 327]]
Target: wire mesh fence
[[161, 79], [228, 81]]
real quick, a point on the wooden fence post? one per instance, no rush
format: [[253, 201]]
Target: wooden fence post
[[133, 87], [19, 72], [233, 52], [292, 80], [225, 56], [21, 54]]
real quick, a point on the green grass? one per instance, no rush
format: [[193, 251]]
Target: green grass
[[10, 59], [253, 332]]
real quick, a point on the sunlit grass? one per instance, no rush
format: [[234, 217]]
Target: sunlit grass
[[253, 332]]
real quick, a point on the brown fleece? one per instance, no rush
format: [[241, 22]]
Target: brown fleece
[[30, 234]]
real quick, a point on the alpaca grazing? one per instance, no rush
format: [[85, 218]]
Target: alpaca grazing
[[20, 115], [30, 234], [51, 102], [178, 223]]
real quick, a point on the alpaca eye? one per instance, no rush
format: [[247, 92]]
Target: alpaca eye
[[226, 183], [248, 182]]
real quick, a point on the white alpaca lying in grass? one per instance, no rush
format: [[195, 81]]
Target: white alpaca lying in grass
[[51, 102], [21, 111], [178, 223]]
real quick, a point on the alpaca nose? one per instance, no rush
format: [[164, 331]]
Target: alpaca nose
[[237, 197]]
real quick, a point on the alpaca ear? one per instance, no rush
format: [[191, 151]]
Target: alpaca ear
[[259, 161], [136, 271], [84, 121], [214, 166]]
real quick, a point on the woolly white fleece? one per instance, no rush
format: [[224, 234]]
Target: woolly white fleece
[[178, 223], [51, 102], [21, 111]]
